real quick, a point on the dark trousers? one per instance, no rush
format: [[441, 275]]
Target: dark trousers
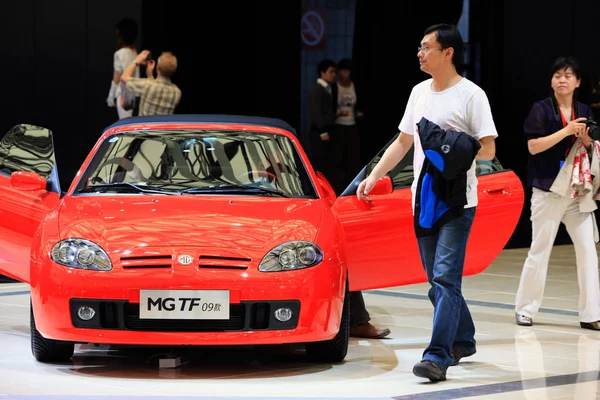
[[358, 310], [443, 258], [321, 154], [345, 143]]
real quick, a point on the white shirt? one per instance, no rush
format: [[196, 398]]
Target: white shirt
[[323, 83], [122, 58], [346, 101], [464, 108]]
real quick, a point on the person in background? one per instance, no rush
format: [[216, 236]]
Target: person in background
[[552, 128], [322, 116], [158, 96], [126, 31], [345, 141]]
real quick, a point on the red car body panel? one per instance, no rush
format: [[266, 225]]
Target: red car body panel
[[372, 243]]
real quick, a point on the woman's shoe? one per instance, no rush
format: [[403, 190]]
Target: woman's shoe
[[595, 326]]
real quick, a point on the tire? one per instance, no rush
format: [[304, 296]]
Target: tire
[[333, 350], [48, 350]]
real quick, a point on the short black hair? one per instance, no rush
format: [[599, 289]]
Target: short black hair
[[345, 63], [449, 36], [128, 30], [324, 65], [566, 62]]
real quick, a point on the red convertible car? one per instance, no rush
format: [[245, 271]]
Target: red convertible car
[[210, 230]]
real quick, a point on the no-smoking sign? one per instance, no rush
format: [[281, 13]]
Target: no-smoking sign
[[313, 29]]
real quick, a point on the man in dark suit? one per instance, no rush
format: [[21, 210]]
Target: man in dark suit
[[322, 117]]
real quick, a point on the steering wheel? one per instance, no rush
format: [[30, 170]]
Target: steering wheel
[[95, 180], [261, 174], [127, 165]]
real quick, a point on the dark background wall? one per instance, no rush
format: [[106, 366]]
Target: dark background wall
[[57, 67], [244, 58], [234, 57]]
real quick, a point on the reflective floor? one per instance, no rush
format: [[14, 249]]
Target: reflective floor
[[554, 359]]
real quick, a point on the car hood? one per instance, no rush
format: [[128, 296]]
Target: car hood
[[230, 222]]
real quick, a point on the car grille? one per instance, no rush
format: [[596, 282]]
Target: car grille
[[237, 314], [166, 261], [224, 262], [160, 261]]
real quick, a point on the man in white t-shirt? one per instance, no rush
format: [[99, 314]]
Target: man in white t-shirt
[[125, 55], [453, 103]]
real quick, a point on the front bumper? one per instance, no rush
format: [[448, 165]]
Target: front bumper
[[245, 316], [315, 296]]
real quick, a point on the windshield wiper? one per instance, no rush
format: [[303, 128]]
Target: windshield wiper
[[125, 185], [233, 188]]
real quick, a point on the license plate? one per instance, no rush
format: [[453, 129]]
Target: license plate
[[184, 304]]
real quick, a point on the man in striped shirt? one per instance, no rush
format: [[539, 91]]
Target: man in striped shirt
[[158, 96]]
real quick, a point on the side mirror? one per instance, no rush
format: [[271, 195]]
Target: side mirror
[[329, 192], [383, 186], [29, 181]]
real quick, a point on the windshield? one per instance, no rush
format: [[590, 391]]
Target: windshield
[[197, 162]]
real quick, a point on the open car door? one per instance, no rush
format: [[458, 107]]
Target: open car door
[[381, 245], [29, 189]]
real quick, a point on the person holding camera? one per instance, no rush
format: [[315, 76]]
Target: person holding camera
[[158, 96], [555, 125]]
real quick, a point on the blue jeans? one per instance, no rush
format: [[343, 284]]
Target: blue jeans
[[443, 258]]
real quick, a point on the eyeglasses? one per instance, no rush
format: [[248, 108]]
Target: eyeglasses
[[426, 49]]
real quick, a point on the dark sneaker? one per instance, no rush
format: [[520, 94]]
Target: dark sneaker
[[457, 354], [595, 326], [430, 370]]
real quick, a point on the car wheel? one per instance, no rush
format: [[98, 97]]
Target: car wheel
[[334, 350], [48, 350]]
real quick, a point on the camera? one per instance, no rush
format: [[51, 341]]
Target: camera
[[594, 128]]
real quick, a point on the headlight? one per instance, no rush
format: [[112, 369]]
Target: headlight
[[291, 256], [82, 254]]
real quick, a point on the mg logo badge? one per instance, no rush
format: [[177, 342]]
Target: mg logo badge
[[185, 259]]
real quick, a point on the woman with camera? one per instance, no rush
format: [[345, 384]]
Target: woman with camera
[[552, 127]]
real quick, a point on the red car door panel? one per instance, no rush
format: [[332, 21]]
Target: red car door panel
[[500, 197], [381, 245], [24, 148]]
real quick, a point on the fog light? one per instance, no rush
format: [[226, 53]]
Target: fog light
[[86, 313], [283, 314]]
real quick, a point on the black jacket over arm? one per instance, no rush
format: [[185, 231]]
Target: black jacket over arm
[[442, 185]]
